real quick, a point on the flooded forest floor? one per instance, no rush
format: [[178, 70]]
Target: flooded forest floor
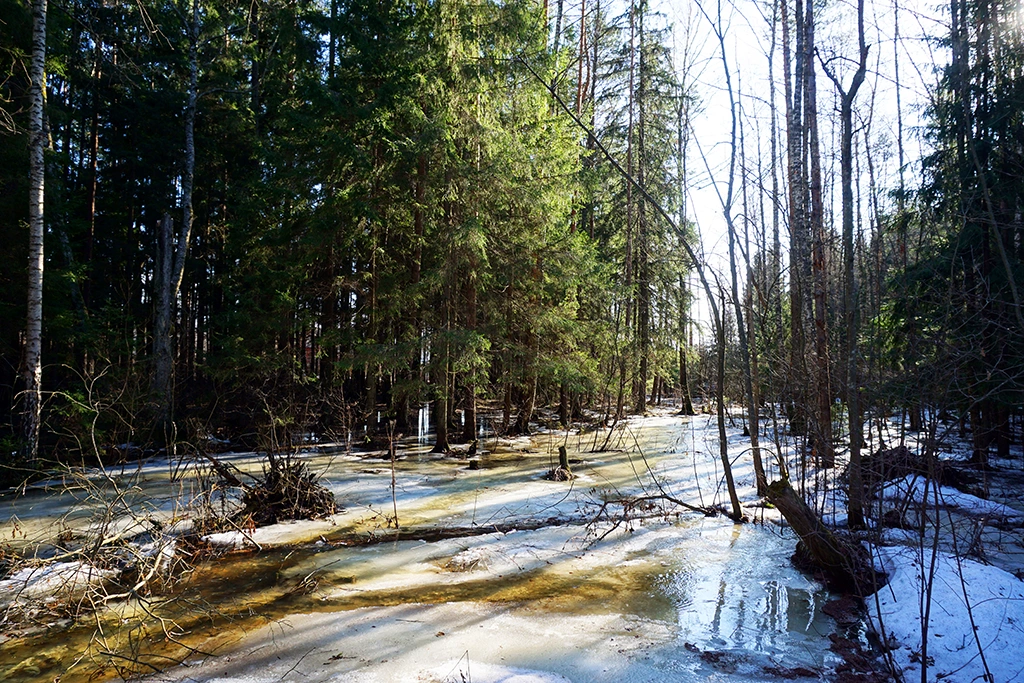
[[451, 567]]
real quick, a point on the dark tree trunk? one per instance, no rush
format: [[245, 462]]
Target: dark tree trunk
[[845, 564], [823, 389], [686, 404], [441, 418]]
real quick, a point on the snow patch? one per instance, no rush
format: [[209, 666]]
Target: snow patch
[[918, 490], [50, 582], [961, 589]]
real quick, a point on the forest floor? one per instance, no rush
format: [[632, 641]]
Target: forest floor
[[499, 575]]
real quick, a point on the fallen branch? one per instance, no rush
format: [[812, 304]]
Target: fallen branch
[[644, 504]]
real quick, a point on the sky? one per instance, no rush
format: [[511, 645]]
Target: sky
[[747, 39]]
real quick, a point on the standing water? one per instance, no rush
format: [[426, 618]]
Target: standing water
[[490, 574]]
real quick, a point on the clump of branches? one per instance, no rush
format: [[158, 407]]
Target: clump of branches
[[287, 490]]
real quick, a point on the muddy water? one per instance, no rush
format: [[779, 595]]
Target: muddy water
[[722, 598]]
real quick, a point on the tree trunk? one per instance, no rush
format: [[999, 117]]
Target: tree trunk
[[844, 564], [793, 70], [441, 423], [850, 298], [682, 142], [629, 249], [563, 405], [642, 258], [776, 272], [32, 372], [685, 402], [526, 407], [440, 411], [752, 416], [162, 353], [823, 389], [162, 342], [723, 441], [469, 406], [373, 367]]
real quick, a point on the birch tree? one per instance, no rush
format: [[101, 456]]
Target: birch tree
[[32, 371]]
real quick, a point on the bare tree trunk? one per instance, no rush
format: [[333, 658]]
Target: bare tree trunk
[[162, 352], [823, 418], [685, 400], [845, 564], [527, 405], [171, 285], [582, 55], [856, 495], [643, 279], [748, 340], [752, 428], [332, 41], [727, 206], [469, 297], [682, 142], [558, 24], [723, 439], [793, 68], [94, 148], [32, 372], [623, 365], [776, 272], [441, 413]]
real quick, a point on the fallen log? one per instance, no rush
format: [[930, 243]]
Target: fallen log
[[842, 562]]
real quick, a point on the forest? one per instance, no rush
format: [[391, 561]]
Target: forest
[[401, 229]]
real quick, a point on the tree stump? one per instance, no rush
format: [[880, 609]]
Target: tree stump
[[562, 472], [563, 458]]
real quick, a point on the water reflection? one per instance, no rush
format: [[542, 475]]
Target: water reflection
[[423, 424], [735, 590]]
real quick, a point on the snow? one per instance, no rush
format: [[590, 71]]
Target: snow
[[921, 491], [50, 581], [559, 603], [280, 534], [962, 590]]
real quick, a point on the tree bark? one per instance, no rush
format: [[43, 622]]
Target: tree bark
[[823, 389], [441, 421], [643, 279], [748, 385], [32, 372], [844, 564], [171, 285], [162, 352], [469, 296], [723, 440], [629, 249], [793, 69], [685, 401], [526, 407], [850, 298]]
